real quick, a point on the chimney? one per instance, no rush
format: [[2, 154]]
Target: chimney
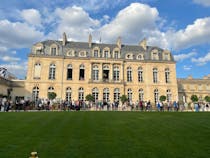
[[64, 39], [90, 41], [143, 43], [119, 43]]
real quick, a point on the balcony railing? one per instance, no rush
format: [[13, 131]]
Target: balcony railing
[[106, 81]]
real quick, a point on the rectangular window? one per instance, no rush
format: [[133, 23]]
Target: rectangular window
[[116, 54], [106, 54], [129, 76], [140, 76], [95, 75], [95, 53], [154, 77], [116, 75], [82, 74], [52, 74], [69, 74], [53, 51]]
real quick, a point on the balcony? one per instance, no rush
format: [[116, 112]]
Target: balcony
[[109, 81]]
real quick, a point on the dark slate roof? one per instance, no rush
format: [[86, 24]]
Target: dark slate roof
[[78, 46]]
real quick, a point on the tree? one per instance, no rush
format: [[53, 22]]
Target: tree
[[194, 98], [123, 98], [51, 95], [207, 98], [162, 98], [89, 98]]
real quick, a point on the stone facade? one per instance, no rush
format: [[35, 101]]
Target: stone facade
[[190, 86], [75, 69]]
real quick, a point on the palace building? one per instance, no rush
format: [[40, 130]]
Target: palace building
[[75, 69]]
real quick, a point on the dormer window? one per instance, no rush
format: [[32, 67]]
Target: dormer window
[[39, 48], [116, 54], [96, 52], [166, 56], [53, 51], [140, 57], [155, 55], [82, 54], [106, 52], [129, 56], [70, 53]]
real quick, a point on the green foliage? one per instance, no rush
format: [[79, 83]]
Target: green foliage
[[89, 98], [162, 98], [51, 95], [207, 98], [123, 98], [194, 98]]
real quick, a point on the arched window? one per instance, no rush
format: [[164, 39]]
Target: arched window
[[155, 75], [106, 94], [140, 74], [82, 72], [116, 73], [140, 57], [167, 75], [52, 71], [156, 95], [168, 95], [129, 74], [81, 94], [37, 71], [51, 89], [95, 73], [95, 94], [130, 93], [69, 72], [105, 73], [129, 56], [68, 94], [116, 94], [35, 94], [141, 94]]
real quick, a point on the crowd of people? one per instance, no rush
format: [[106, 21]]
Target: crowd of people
[[52, 105]]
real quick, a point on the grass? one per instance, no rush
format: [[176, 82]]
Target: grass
[[105, 134]]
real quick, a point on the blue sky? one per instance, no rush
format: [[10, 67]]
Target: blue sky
[[182, 26]]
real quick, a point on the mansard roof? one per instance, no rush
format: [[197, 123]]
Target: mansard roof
[[84, 46]]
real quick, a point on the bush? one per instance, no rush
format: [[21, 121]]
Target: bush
[[51, 95], [162, 98], [194, 98], [207, 98], [123, 98]]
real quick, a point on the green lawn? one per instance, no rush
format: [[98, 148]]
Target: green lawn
[[105, 134]]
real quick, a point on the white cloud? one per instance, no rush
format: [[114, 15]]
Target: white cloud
[[131, 23], [75, 22], [194, 34], [202, 60], [181, 57], [18, 35], [31, 16], [187, 67], [10, 59], [205, 3]]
